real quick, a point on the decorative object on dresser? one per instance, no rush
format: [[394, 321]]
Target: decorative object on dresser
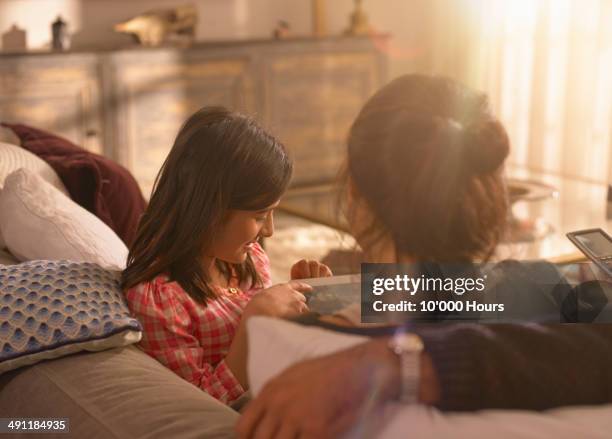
[[15, 40], [358, 22], [60, 39], [282, 30], [158, 26], [96, 183], [319, 18]]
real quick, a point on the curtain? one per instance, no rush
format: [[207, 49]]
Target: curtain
[[547, 67]]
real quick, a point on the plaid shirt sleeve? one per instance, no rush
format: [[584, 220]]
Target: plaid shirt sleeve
[[167, 338]]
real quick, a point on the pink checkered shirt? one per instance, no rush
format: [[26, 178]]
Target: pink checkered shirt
[[191, 339]]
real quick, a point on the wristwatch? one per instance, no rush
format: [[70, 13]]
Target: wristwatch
[[408, 348]]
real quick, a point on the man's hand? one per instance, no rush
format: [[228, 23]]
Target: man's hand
[[305, 269], [323, 397]]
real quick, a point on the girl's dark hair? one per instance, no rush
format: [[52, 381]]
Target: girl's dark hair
[[220, 160], [425, 154]]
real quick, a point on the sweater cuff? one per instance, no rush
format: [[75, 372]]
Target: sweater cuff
[[453, 353]]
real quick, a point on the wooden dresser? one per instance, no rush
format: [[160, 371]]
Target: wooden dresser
[[129, 104]]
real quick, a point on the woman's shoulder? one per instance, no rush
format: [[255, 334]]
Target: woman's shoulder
[[536, 270], [530, 289], [523, 277]]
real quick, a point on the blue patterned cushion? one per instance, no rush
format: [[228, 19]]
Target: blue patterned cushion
[[50, 309]]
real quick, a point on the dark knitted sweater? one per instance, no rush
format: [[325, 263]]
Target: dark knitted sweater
[[527, 366]]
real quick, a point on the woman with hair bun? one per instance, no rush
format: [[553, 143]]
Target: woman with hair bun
[[425, 169], [424, 182]]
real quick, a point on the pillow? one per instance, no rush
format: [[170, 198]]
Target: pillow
[[39, 222], [276, 344], [100, 185], [13, 157], [49, 309]]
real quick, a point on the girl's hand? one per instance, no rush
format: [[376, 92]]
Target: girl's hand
[[305, 269], [282, 300]]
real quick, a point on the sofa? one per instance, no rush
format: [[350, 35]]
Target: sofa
[[117, 393]]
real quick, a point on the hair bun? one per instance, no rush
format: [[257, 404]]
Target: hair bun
[[486, 146]]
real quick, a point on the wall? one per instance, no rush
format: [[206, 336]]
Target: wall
[[91, 21]]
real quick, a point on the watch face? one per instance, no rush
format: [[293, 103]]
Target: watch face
[[407, 343]]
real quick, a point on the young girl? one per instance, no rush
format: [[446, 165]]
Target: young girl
[[196, 270]]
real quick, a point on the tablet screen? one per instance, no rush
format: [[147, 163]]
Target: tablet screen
[[597, 243]]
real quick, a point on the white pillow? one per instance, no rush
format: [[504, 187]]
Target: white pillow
[[13, 157], [39, 222], [277, 344]]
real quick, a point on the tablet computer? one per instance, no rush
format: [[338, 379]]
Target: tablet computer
[[596, 245]]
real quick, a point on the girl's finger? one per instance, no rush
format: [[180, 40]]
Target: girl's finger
[[300, 286], [298, 307], [313, 267], [326, 271], [300, 269], [300, 297]]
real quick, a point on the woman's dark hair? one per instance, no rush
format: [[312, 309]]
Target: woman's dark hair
[[220, 160], [425, 154]]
